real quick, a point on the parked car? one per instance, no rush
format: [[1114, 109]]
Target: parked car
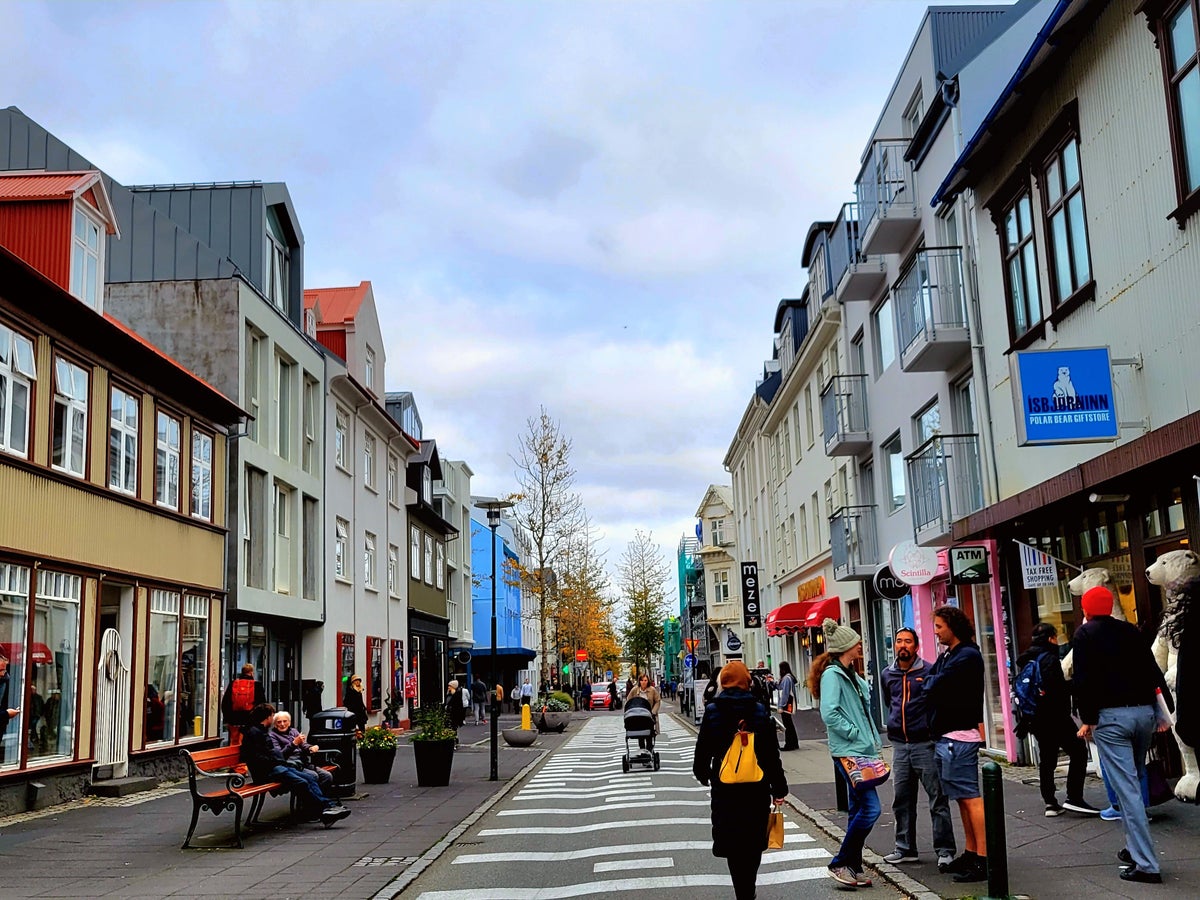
[[601, 698]]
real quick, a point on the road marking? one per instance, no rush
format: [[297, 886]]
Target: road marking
[[561, 811], [599, 826], [616, 865], [618, 850], [774, 857]]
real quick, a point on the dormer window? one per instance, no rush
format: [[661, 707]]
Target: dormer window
[[370, 369], [427, 485], [86, 253]]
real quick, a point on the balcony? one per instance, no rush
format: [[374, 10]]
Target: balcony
[[931, 312], [945, 482], [889, 215], [852, 540], [844, 415], [855, 275]]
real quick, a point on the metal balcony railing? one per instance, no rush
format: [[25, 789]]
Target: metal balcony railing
[[930, 296], [852, 542], [945, 482], [843, 243], [885, 178], [844, 414]]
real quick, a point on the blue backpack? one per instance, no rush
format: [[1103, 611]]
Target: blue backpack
[[1028, 690]]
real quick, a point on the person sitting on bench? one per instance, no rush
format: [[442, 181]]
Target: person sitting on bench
[[297, 751], [267, 764]]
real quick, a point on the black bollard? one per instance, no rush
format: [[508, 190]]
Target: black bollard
[[839, 785], [993, 827]]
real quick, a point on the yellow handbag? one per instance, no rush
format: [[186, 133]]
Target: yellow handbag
[[740, 765]]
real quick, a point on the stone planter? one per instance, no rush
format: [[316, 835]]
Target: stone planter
[[434, 760], [519, 737], [377, 765], [553, 721]]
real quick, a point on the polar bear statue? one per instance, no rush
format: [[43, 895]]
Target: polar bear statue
[[1176, 573]]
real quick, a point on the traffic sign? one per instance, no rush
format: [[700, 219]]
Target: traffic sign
[[581, 656], [691, 643], [689, 660]]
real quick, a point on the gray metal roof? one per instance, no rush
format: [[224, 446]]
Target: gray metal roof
[[958, 32]]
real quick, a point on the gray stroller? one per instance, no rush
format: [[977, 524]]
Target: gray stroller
[[639, 726]]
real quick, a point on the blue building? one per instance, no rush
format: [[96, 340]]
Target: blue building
[[512, 630]]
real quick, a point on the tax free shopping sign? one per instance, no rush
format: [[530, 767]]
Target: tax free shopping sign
[[1064, 396]]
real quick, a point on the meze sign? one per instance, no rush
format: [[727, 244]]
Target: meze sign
[[1064, 396], [751, 609]]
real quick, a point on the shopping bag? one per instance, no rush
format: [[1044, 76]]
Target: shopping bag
[[775, 830]]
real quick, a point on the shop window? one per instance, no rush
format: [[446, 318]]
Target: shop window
[[52, 667], [1174, 511], [345, 663], [163, 666], [14, 610], [375, 674]]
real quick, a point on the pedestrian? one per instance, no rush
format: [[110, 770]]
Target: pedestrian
[[242, 695], [7, 713], [739, 811], [456, 709], [835, 682], [295, 749], [912, 754], [585, 695], [1052, 726], [954, 690], [267, 764], [526, 692], [479, 700], [713, 687], [787, 706], [614, 702], [1115, 682], [628, 686], [353, 700], [646, 690]]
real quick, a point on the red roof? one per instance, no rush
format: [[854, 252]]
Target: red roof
[[339, 304], [45, 185]]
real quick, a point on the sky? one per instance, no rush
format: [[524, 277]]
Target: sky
[[592, 207]]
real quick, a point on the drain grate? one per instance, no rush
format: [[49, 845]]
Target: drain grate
[[400, 861]]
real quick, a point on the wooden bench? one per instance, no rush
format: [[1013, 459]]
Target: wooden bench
[[226, 762]]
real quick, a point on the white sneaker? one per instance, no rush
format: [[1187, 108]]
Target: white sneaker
[[900, 856], [944, 862]]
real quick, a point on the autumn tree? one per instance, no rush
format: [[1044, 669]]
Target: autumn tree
[[548, 510], [583, 610], [643, 574]]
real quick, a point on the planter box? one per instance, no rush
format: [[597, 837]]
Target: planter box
[[553, 721], [377, 765], [519, 737], [434, 759]]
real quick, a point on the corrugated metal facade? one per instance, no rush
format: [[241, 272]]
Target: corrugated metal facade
[[40, 234]]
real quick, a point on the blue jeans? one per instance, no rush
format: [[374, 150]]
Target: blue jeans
[[1123, 737], [302, 783], [1112, 795], [912, 764], [864, 813]]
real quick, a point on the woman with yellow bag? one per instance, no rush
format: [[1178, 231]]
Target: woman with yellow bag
[[738, 757], [853, 743]]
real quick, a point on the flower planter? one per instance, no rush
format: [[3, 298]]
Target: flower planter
[[377, 765], [553, 721], [434, 760], [519, 737]]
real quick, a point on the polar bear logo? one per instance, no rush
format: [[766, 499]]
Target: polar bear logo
[[1063, 388]]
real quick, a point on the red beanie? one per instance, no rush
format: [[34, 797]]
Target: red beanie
[[1097, 601]]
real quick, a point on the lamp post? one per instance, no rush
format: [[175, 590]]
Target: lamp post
[[494, 508]]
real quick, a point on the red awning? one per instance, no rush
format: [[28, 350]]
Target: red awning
[[820, 610], [786, 619], [15, 653]]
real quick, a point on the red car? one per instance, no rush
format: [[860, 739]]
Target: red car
[[601, 698]]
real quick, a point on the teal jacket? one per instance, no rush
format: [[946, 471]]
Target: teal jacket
[[851, 731]]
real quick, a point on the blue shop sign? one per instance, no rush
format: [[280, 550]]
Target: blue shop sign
[[1065, 396]]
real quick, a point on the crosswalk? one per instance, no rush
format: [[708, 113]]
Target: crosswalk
[[580, 826]]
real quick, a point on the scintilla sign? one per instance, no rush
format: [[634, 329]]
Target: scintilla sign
[[1064, 396]]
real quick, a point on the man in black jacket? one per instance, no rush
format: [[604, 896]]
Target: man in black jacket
[[266, 763], [1052, 726], [1115, 683]]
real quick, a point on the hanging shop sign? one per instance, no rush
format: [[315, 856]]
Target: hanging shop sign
[[1038, 569], [733, 643], [969, 565], [912, 563], [1064, 396], [887, 585], [751, 606]]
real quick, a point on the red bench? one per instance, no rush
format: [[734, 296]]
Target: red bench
[[226, 762]]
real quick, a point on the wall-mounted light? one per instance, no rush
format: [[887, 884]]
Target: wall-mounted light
[[1107, 498]]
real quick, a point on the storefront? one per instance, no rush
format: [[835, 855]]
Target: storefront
[[798, 625]]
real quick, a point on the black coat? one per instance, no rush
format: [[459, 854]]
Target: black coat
[[739, 811], [354, 702], [1055, 703]]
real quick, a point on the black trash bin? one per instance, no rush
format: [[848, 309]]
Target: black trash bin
[[333, 729]]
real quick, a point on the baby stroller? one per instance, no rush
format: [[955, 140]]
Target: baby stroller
[[639, 725]]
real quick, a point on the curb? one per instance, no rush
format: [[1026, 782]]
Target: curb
[[397, 885], [906, 884]]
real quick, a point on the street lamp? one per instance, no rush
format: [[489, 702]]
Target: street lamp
[[494, 508]]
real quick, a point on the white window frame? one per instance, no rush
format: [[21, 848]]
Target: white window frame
[[18, 373], [890, 470], [414, 552], [284, 413], [166, 459], [341, 439], [369, 460], [202, 470], [311, 411], [393, 480], [439, 572], [393, 573], [717, 526], [428, 559], [87, 258], [369, 560], [341, 534], [721, 586], [370, 369], [283, 538], [255, 344], [427, 484], [71, 387], [123, 441]]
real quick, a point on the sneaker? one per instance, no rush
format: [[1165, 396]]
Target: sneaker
[[964, 861], [1125, 858], [843, 875], [1052, 810], [900, 856], [860, 879], [1110, 814], [977, 872], [945, 862], [332, 814], [1082, 807]]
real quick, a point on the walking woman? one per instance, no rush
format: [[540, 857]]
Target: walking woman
[[787, 706], [650, 693], [843, 693], [739, 811]]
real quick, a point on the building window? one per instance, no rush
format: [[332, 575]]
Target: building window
[[17, 375], [50, 668], [913, 115], [370, 373], [1178, 38], [346, 671], [895, 473], [341, 535], [313, 547], [255, 344], [311, 412], [341, 439], [122, 441], [1020, 267], [202, 462], [427, 485], [255, 528], [884, 328], [718, 532], [275, 278], [428, 559], [176, 684], [927, 423], [414, 554], [808, 415], [86, 249], [374, 674], [14, 633], [393, 481], [1066, 225], [440, 567], [283, 407], [393, 574], [369, 561], [721, 587], [283, 538], [70, 417], [369, 461], [166, 461]]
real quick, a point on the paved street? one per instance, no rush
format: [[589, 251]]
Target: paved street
[[579, 826]]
